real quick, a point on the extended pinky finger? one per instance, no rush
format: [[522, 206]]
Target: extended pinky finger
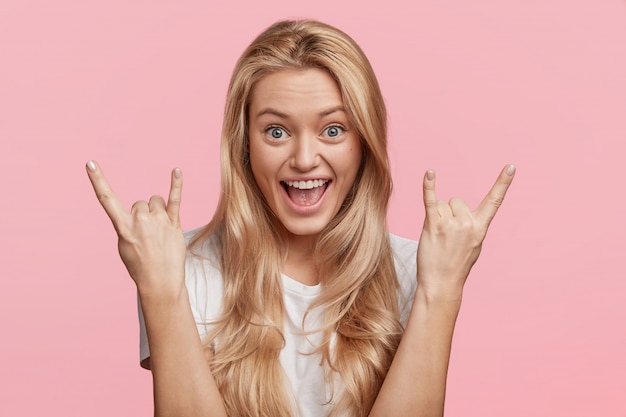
[[175, 196], [430, 196]]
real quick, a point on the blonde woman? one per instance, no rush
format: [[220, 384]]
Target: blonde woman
[[295, 300]]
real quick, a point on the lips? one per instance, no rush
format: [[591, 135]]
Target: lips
[[305, 193]]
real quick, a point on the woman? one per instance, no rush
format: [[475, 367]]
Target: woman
[[305, 305]]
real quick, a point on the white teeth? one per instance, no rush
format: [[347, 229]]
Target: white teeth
[[306, 185]]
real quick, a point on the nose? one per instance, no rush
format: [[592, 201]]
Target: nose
[[306, 153]]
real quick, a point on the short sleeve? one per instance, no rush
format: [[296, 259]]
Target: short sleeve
[[144, 349], [405, 260]]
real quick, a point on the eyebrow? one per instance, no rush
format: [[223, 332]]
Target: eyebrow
[[282, 115]]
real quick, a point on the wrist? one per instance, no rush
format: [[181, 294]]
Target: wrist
[[440, 296], [160, 297]]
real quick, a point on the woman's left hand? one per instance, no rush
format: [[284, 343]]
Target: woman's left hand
[[452, 237]]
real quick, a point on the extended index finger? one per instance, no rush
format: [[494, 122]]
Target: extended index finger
[[109, 201], [488, 208]]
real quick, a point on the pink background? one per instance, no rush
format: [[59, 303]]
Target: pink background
[[470, 86]]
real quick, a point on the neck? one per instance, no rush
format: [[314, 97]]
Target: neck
[[298, 262]]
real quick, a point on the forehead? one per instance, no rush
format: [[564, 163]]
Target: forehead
[[296, 90]]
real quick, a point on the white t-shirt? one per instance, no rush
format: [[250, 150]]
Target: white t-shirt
[[205, 288]]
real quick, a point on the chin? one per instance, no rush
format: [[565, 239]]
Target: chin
[[297, 229]]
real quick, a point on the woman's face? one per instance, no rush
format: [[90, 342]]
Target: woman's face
[[304, 152]]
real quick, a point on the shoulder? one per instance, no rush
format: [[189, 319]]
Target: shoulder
[[203, 254], [405, 261], [201, 244], [403, 246], [404, 254], [203, 276]]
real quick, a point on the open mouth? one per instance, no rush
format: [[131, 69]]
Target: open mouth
[[305, 193]]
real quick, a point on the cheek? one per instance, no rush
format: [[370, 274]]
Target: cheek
[[256, 166], [262, 166], [355, 157], [260, 178], [356, 160], [257, 158]]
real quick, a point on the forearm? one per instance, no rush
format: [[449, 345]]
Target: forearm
[[182, 379], [449, 245], [416, 382]]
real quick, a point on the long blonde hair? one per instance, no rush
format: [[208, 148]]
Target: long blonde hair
[[353, 254]]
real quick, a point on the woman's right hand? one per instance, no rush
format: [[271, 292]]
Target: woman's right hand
[[150, 238]]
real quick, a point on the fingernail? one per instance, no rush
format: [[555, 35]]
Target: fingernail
[[510, 170], [430, 174], [177, 173], [91, 166]]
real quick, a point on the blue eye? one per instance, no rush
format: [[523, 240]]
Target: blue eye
[[276, 132], [334, 131]]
